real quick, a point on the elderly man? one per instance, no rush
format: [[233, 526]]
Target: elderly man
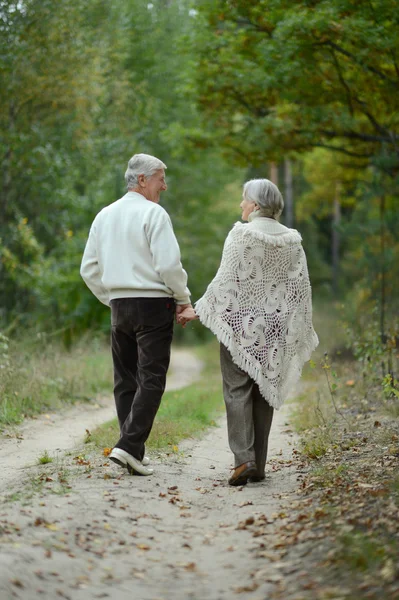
[[132, 263]]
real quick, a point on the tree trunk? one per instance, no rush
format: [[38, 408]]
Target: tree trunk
[[383, 269], [274, 173], [6, 167], [288, 196], [335, 241]]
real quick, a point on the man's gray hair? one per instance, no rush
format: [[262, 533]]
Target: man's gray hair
[[266, 195], [141, 164]]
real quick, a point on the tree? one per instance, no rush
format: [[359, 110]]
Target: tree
[[278, 76], [85, 86]]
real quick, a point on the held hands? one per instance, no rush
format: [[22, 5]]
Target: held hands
[[184, 314]]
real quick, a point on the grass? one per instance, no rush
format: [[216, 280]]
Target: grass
[[328, 324], [311, 416], [327, 476], [44, 459], [45, 376], [360, 552], [314, 413], [51, 480], [183, 413], [315, 444]]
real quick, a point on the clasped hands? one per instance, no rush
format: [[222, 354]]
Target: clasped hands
[[184, 314]]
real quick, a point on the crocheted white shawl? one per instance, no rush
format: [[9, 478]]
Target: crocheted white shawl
[[259, 305]]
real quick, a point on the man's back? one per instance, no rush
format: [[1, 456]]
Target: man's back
[[136, 252]]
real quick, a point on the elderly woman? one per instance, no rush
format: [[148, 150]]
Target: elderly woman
[[259, 307]]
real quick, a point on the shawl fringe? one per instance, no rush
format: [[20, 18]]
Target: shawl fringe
[[254, 370]]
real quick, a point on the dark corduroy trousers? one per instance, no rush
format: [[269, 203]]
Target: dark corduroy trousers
[[141, 337], [249, 416]]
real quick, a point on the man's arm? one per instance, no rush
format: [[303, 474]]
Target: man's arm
[[166, 259], [90, 270]]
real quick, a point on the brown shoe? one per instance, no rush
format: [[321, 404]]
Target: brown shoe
[[241, 473]]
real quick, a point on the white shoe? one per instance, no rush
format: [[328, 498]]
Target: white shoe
[[146, 461], [124, 459]]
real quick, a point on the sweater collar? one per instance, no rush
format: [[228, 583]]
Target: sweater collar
[[134, 195]]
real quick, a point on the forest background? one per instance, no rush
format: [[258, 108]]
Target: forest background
[[305, 93]]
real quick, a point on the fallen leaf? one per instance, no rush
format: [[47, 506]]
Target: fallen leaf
[[143, 547], [138, 574], [247, 588], [39, 574], [245, 503]]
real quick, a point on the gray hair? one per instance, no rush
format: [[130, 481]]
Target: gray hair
[[266, 195], [141, 164]]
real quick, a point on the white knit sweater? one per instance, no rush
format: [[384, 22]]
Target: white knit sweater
[[132, 252], [259, 305]]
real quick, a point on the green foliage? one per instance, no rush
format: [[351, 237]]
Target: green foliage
[[327, 177], [86, 85], [315, 445], [390, 387], [360, 552], [44, 459], [277, 76]]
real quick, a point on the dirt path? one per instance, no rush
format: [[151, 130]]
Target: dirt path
[[64, 430], [82, 529]]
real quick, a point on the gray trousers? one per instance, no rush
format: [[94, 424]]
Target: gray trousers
[[249, 416]]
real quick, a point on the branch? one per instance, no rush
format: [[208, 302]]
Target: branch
[[390, 51], [254, 26], [395, 64], [365, 137], [342, 80], [357, 61], [258, 112], [343, 150], [372, 119]]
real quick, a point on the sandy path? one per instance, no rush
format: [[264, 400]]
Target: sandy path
[[177, 535], [64, 430]]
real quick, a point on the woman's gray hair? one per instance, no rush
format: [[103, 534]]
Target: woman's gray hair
[[266, 195], [141, 164]]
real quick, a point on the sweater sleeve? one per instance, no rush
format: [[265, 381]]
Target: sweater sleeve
[[90, 270], [167, 260]]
